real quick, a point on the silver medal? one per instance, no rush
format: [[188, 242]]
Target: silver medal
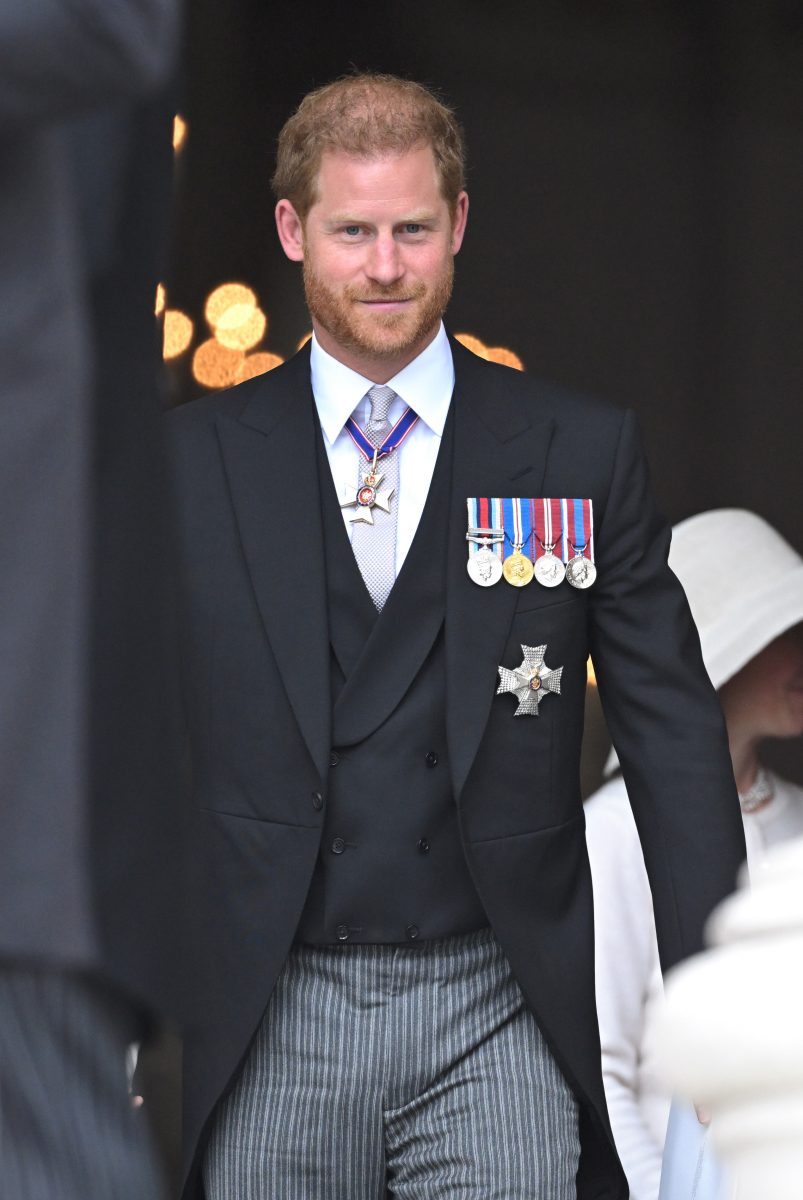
[[580, 571], [484, 567], [530, 682], [549, 570]]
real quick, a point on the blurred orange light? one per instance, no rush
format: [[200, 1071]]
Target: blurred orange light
[[501, 354], [178, 330], [225, 297], [241, 327], [591, 675], [179, 133], [257, 364], [161, 299], [303, 341], [216, 366], [472, 343]]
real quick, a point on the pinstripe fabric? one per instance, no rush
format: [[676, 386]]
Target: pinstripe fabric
[[67, 1130], [391, 1070]]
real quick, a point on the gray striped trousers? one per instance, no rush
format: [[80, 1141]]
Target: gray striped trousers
[[384, 1070]]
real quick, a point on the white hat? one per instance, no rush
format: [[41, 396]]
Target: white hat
[[739, 608]]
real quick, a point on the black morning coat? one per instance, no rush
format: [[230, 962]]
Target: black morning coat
[[256, 655]]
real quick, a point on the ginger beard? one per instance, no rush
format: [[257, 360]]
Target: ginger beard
[[356, 328]]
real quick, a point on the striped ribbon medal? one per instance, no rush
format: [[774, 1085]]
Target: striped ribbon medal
[[370, 494], [578, 522], [517, 567], [486, 538], [548, 526]]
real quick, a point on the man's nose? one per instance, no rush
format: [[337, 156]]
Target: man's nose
[[384, 262]]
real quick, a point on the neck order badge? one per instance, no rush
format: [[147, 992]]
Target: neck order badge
[[369, 494]]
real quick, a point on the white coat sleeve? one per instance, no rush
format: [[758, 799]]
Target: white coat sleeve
[[628, 979]]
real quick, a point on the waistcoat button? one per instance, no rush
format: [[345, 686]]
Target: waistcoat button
[[423, 845], [317, 801], [431, 758], [342, 932], [338, 846], [413, 932]]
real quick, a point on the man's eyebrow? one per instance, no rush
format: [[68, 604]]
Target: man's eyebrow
[[412, 219]]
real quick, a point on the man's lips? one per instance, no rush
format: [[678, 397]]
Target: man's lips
[[387, 301]]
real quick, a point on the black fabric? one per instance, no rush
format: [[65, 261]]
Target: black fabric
[[258, 663], [91, 837], [391, 866]]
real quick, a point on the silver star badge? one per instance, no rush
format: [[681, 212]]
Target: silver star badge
[[369, 496], [529, 682]]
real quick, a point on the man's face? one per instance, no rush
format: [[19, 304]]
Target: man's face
[[378, 248]]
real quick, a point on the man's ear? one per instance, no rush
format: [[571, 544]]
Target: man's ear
[[459, 221], [290, 230]]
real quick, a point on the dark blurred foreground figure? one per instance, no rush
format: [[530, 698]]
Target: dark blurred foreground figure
[[89, 818], [398, 986]]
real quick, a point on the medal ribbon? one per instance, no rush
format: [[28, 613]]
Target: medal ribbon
[[405, 424], [550, 530], [578, 521], [485, 512], [518, 522]]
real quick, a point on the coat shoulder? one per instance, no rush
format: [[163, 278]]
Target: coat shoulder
[[570, 409]]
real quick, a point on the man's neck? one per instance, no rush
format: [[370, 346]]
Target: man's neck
[[377, 369]]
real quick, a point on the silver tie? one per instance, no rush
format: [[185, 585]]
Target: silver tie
[[374, 545]]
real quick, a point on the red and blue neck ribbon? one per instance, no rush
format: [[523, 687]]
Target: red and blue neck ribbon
[[405, 424]]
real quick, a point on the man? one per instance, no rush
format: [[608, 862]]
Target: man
[[398, 942], [89, 818]]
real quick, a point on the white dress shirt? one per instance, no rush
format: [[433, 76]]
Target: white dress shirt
[[425, 385]]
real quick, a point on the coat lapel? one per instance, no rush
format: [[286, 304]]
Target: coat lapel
[[269, 454], [500, 450]]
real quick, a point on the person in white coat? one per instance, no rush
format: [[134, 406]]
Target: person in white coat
[[745, 588]]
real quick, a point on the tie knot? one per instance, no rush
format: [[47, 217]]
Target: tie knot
[[381, 397]]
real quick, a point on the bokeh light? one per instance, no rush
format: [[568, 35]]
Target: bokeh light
[[472, 343], [216, 366], [241, 327], [257, 364], [178, 329], [501, 354], [498, 354], [161, 299], [219, 301], [179, 133], [303, 341], [591, 674]]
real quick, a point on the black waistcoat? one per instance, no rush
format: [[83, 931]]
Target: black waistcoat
[[391, 866]]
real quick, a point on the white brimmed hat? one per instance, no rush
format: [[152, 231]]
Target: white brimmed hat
[[740, 610]]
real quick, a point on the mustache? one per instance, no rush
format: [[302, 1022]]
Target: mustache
[[391, 292]]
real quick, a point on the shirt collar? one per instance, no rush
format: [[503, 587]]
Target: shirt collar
[[426, 385]]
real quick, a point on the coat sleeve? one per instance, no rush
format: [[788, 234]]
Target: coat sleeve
[[59, 57], [662, 711]]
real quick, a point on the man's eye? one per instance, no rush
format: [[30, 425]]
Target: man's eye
[[352, 230], [413, 227]]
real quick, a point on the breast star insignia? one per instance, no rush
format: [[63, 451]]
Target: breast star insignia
[[530, 682], [369, 496]]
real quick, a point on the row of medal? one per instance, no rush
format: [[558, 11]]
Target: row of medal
[[516, 538]]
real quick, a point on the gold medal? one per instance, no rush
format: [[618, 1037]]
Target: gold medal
[[518, 570]]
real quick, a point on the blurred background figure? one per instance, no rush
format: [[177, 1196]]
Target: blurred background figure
[[89, 803], [745, 587], [729, 1033]]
